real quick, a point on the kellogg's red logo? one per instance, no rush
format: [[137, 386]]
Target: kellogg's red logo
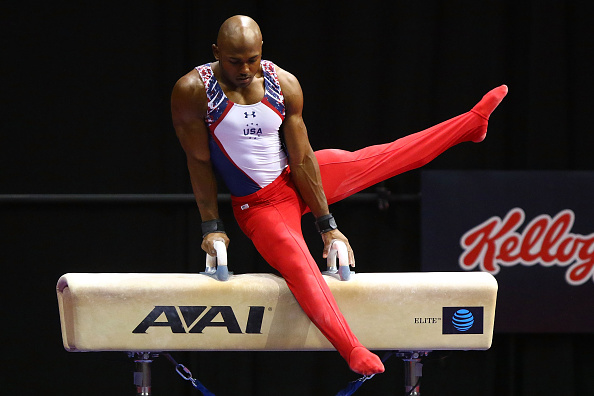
[[546, 241]]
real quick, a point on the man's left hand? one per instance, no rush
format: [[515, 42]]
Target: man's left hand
[[330, 236]]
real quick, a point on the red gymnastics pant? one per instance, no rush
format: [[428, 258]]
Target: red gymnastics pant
[[271, 217]]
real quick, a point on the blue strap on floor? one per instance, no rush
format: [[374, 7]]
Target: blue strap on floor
[[200, 387], [354, 385]]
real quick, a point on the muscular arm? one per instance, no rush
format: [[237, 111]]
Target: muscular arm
[[188, 108], [304, 165], [305, 171]]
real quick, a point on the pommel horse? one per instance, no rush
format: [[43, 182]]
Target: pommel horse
[[151, 313]]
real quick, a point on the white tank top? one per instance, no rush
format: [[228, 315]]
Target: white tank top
[[245, 144]]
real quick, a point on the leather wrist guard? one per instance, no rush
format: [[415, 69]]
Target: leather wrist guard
[[326, 223], [211, 226]]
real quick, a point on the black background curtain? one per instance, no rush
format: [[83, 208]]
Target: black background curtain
[[85, 110]]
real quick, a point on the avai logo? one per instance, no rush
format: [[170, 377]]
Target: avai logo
[[195, 322], [545, 240], [462, 320]]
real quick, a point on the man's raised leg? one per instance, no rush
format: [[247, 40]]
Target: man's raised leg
[[345, 173]]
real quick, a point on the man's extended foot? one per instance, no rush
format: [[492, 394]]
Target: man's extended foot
[[485, 107], [363, 362], [490, 101]]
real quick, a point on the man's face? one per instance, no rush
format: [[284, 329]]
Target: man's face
[[239, 61]]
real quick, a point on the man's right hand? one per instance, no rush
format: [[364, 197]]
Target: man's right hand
[[209, 240]]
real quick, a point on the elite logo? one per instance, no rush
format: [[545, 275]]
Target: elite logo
[[462, 320], [545, 240], [192, 320]]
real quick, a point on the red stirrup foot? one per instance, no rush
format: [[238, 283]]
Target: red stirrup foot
[[363, 362]]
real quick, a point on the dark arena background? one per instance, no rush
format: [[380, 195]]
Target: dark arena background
[[93, 179]]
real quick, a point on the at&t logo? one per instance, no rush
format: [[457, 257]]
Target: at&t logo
[[462, 320]]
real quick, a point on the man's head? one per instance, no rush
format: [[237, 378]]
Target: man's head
[[239, 50]]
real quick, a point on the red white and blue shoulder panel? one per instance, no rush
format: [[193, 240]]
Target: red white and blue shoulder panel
[[273, 93], [217, 101]]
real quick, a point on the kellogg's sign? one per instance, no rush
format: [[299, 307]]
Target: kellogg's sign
[[545, 241], [533, 230]]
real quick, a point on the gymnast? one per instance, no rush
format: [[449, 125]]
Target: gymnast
[[229, 116]]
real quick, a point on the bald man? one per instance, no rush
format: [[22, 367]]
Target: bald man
[[229, 115]]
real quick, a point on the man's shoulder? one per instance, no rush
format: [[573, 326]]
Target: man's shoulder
[[287, 80], [282, 73], [191, 85], [190, 81], [291, 90], [190, 89]]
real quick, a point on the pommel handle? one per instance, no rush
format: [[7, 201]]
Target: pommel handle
[[339, 249], [217, 266]]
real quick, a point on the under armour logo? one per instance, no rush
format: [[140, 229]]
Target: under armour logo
[[247, 114]]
